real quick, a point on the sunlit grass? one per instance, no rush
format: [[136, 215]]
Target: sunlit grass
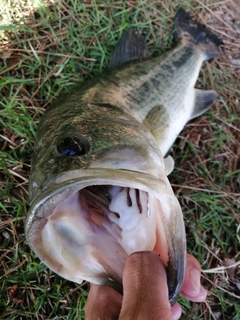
[[48, 46]]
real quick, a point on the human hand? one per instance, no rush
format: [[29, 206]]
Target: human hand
[[145, 291]]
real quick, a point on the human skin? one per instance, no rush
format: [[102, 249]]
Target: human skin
[[145, 291]]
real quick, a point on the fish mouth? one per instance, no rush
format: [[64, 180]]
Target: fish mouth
[[85, 224]]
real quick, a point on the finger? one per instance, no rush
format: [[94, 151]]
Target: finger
[[103, 303], [145, 293], [192, 289], [176, 311], [199, 298]]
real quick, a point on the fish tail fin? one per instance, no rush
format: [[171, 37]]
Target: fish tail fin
[[188, 29]]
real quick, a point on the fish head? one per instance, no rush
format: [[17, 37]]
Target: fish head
[[99, 192], [98, 136]]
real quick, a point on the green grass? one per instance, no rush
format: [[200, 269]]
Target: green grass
[[46, 48]]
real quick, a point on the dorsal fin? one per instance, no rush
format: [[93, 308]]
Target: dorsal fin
[[130, 47]]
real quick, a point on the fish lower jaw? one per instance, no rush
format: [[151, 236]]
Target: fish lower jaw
[[90, 231]]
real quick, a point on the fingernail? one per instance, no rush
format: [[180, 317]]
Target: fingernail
[[195, 280], [176, 311], [202, 294]]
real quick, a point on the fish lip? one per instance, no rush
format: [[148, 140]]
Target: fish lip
[[71, 181]]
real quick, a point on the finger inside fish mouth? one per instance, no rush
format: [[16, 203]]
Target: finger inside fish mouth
[[84, 229]]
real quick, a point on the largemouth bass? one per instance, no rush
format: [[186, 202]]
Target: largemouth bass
[[98, 186]]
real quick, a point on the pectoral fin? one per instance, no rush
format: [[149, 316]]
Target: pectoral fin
[[169, 164], [157, 121], [130, 47], [203, 101]]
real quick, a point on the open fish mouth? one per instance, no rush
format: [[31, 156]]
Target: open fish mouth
[[85, 223]]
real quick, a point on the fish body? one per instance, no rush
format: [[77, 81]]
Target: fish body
[[98, 187]]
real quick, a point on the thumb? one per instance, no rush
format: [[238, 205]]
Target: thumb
[[145, 293]]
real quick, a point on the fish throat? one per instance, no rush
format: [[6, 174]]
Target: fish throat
[[104, 223], [117, 205]]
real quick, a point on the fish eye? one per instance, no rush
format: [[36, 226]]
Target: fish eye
[[72, 146]]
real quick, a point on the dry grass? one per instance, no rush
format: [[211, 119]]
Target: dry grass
[[46, 49]]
